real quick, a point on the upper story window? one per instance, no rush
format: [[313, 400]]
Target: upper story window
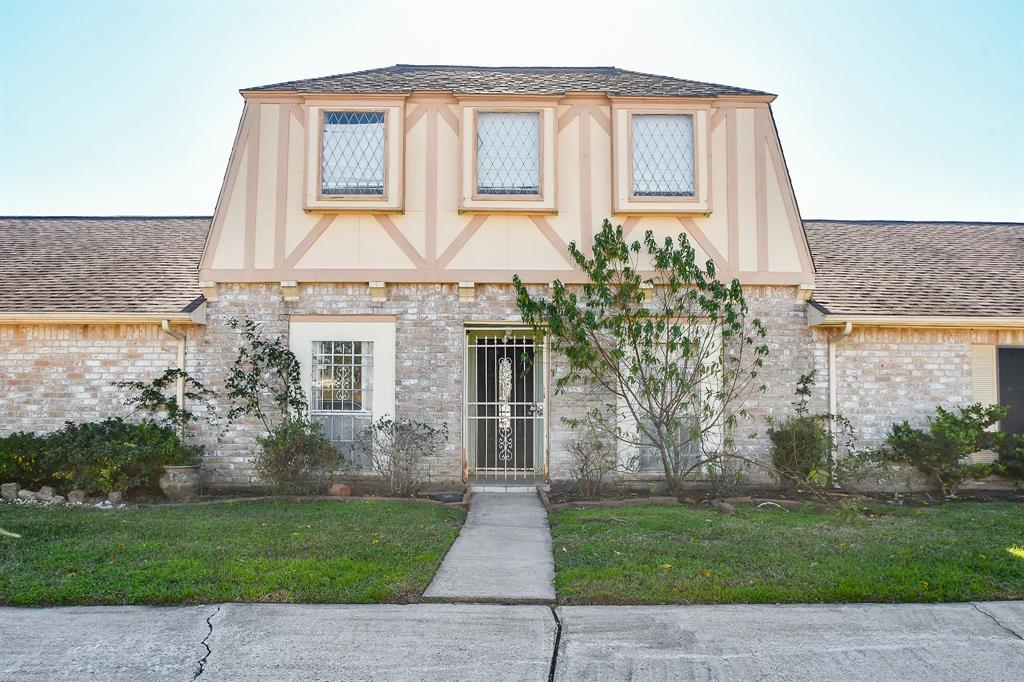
[[661, 156], [352, 153], [508, 153]]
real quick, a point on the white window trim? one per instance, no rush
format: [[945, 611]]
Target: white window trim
[[626, 422], [392, 201], [624, 202], [381, 333], [471, 201]]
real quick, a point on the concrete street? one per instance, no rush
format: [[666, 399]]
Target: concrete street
[[481, 641]]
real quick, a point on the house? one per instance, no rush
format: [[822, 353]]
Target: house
[[375, 219]]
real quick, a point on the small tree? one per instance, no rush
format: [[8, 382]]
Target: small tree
[[396, 450], [264, 378], [675, 367], [155, 398]]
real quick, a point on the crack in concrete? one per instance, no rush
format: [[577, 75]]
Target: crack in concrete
[[202, 661], [558, 643], [996, 621]]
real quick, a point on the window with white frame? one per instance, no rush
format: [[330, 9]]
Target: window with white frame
[[352, 153], [341, 388], [650, 457], [662, 157], [508, 153]]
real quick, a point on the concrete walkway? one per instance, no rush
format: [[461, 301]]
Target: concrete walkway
[[907, 642], [502, 554]]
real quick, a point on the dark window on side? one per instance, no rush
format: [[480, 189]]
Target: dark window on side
[[1011, 388]]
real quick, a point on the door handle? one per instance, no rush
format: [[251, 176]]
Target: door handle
[[537, 409]]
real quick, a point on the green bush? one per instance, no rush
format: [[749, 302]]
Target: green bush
[[1011, 456], [939, 450], [24, 458], [296, 457], [800, 446], [96, 457]]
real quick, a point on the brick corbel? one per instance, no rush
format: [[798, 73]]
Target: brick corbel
[[209, 290], [290, 290], [378, 291], [467, 292]]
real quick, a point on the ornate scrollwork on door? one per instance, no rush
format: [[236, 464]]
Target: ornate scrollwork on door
[[504, 410]]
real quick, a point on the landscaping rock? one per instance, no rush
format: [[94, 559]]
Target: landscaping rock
[[723, 507], [76, 497], [46, 493], [115, 497], [57, 500], [9, 491], [26, 495], [339, 490]]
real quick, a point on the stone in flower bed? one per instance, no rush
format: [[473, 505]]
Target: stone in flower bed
[[9, 491]]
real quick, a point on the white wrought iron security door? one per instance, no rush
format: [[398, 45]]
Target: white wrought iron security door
[[505, 421]]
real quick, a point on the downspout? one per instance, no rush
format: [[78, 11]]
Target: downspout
[[833, 393], [179, 338], [833, 341]]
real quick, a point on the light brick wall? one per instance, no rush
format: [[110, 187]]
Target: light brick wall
[[53, 373], [888, 375], [50, 374]]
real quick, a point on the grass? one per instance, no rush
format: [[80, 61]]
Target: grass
[[680, 555], [277, 551]]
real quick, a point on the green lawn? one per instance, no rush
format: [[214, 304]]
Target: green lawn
[[280, 551], [680, 555]]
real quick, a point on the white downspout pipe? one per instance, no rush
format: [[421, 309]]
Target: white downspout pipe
[[833, 392], [833, 341], [179, 338]]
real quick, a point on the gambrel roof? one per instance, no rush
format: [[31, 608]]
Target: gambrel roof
[[100, 265], [402, 79], [918, 268]]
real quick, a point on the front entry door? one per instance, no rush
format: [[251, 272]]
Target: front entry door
[[505, 403]]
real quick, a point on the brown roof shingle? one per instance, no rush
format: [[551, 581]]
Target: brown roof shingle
[[918, 268], [507, 80], [105, 265]]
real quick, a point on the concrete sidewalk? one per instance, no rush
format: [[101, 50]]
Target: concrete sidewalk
[[502, 554], [284, 642]]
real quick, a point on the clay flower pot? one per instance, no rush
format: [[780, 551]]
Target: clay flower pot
[[180, 482]]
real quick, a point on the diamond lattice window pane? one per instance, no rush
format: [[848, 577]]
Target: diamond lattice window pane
[[662, 155], [352, 159], [508, 153]]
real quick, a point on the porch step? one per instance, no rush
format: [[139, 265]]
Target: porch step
[[508, 487]]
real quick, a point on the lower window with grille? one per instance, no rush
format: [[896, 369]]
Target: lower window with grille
[[342, 387], [650, 458]]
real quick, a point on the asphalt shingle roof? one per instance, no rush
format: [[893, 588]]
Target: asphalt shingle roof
[[506, 80], [108, 265], [918, 268]]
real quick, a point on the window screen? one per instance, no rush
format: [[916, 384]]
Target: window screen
[[342, 386], [352, 153], [508, 153], [662, 155]]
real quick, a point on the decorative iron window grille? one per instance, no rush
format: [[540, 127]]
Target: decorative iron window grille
[[508, 153], [352, 153], [342, 388], [662, 155]]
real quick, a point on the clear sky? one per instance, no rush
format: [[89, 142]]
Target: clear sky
[[889, 110]]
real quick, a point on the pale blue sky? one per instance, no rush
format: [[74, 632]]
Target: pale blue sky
[[912, 110]]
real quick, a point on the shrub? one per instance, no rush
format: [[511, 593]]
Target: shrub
[[591, 459], [296, 457], [95, 457], [396, 450], [799, 449], [1011, 455], [802, 443], [25, 459], [940, 450]]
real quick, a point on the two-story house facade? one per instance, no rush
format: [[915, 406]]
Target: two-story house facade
[[375, 220]]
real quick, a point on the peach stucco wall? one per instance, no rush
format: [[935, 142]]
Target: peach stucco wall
[[265, 228]]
